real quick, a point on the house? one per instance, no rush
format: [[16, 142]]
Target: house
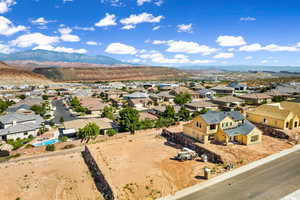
[[283, 115], [139, 104], [223, 127], [136, 95], [228, 101], [256, 98], [158, 110], [199, 105], [17, 125], [223, 90], [237, 86], [184, 90], [23, 108], [73, 126], [166, 96], [92, 104], [146, 115], [206, 93]]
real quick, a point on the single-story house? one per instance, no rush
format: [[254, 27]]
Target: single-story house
[[228, 101], [199, 105], [256, 98]]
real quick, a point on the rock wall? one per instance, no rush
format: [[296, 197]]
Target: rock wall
[[268, 130], [99, 179], [184, 140]]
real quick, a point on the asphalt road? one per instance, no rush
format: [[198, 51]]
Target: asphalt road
[[61, 111], [271, 181]]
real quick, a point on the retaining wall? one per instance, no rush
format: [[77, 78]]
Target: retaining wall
[[268, 130]]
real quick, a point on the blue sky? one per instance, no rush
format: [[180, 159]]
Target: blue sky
[[158, 32]]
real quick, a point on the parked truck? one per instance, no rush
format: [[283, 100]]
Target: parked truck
[[186, 154]]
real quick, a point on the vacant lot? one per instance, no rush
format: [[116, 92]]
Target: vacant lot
[[56, 178], [141, 167]]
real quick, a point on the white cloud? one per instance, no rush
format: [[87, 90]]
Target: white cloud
[[187, 28], [108, 20], [115, 3], [155, 28], [270, 47], [177, 59], [31, 39], [7, 28], [141, 2], [230, 41], [264, 61], [93, 43], [248, 57], [119, 48], [188, 47], [128, 27], [247, 19], [224, 55], [141, 18], [5, 5], [41, 21], [60, 49], [6, 49], [66, 36], [84, 28]]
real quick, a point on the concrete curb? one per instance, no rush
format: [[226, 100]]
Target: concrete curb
[[230, 174]]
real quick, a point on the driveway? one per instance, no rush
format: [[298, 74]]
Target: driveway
[[61, 111]]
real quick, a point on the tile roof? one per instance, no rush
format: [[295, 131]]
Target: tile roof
[[244, 129]]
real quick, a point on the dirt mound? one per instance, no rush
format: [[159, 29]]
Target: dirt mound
[[13, 76]]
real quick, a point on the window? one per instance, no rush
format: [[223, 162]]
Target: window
[[254, 138], [287, 125], [198, 124], [26, 133], [212, 127], [296, 124], [265, 120]]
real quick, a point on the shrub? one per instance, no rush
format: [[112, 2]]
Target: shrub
[[111, 132], [50, 147], [69, 146], [63, 138]]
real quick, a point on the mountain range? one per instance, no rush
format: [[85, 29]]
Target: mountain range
[[52, 56]]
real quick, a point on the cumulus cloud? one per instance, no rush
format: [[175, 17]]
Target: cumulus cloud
[[60, 49], [187, 28], [128, 27], [5, 5], [248, 57], [7, 28], [155, 28], [119, 48], [230, 41], [141, 18], [84, 28], [116, 3], [41, 21], [270, 47], [6, 49], [177, 59], [108, 20], [93, 43], [141, 2], [32, 39], [66, 36], [224, 55], [247, 19], [186, 47]]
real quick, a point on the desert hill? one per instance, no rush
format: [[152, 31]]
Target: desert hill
[[13, 76]]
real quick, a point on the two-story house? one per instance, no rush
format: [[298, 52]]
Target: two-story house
[[223, 127], [18, 125]]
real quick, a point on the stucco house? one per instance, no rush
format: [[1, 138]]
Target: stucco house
[[223, 127], [283, 115], [17, 125], [256, 98]]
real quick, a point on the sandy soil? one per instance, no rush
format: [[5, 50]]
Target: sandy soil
[[141, 167], [56, 178], [241, 154]]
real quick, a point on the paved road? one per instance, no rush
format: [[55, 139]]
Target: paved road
[[271, 181], [61, 111]]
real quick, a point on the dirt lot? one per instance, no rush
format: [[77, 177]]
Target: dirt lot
[[141, 167], [55, 178], [241, 154]]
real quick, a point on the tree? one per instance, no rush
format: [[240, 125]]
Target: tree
[[129, 118], [164, 122], [146, 124], [45, 97], [4, 105], [184, 114], [61, 119], [39, 110], [111, 132], [278, 98], [90, 131], [22, 96], [169, 112], [75, 102], [108, 112], [182, 98]]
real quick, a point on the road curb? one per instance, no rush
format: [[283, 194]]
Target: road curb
[[230, 174]]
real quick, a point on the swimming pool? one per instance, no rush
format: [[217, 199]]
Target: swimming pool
[[46, 142]]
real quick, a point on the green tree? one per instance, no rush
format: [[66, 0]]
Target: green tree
[[129, 118], [75, 102], [61, 119], [182, 98], [45, 97], [111, 132], [4, 105], [90, 131], [22, 96], [169, 112], [108, 112], [164, 122], [184, 114], [39, 110]]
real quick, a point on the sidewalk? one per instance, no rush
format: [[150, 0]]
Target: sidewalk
[[230, 174]]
